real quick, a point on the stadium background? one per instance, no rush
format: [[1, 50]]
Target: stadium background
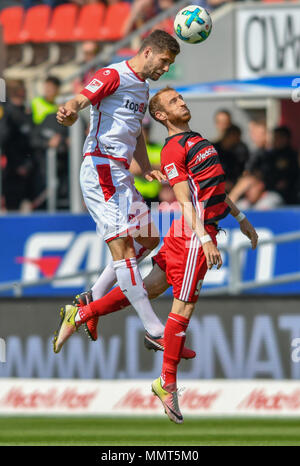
[[245, 336]]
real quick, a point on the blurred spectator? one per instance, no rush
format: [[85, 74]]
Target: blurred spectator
[[89, 50], [233, 155], [258, 135], [47, 135], [223, 121], [277, 167], [257, 197], [15, 129], [167, 199], [280, 166], [168, 23], [45, 105], [141, 11], [149, 190]]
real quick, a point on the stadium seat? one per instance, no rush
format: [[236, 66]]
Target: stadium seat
[[11, 20], [116, 15], [62, 24], [90, 21], [35, 25]]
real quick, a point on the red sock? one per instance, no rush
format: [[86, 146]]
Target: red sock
[[113, 301], [174, 338]]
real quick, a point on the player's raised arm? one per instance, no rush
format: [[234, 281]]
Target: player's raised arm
[[141, 157], [67, 114], [183, 196], [246, 227]]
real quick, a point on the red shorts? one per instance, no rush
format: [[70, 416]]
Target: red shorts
[[183, 260]]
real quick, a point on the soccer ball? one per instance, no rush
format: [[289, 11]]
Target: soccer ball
[[192, 24]]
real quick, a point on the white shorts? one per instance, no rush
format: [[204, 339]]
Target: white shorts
[[111, 198]]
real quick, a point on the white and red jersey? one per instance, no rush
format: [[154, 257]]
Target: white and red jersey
[[119, 99]]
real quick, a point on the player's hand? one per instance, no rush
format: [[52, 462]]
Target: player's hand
[[248, 230], [66, 117], [155, 175], [212, 254]]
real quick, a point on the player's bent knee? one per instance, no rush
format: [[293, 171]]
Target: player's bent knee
[[153, 294]]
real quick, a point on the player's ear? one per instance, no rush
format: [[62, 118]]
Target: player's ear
[[147, 52], [161, 116]]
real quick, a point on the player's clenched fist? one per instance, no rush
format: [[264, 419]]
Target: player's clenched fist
[[66, 117], [212, 254]]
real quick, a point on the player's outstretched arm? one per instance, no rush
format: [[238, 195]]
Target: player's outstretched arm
[[141, 157], [67, 114], [183, 196], [246, 227]]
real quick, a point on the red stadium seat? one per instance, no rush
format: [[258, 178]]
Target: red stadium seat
[[90, 21], [115, 18], [62, 24], [36, 23], [11, 20]]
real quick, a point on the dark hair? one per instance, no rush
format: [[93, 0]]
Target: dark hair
[[283, 131], [233, 129], [54, 80], [160, 41], [155, 103], [13, 86]]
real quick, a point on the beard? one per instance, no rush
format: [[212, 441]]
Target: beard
[[150, 73], [177, 120]]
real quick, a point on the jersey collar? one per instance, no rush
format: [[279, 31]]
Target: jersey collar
[[180, 134]]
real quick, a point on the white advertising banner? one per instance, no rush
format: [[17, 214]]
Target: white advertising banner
[[134, 397], [267, 41]]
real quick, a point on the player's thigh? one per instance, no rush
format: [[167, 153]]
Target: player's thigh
[[121, 248], [156, 282], [107, 191], [145, 238], [146, 234], [186, 267]]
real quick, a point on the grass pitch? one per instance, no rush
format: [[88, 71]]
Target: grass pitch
[[96, 431]]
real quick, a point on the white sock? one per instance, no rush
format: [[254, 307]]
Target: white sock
[[131, 284], [104, 282], [108, 277]]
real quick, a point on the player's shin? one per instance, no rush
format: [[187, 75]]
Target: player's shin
[[174, 338], [113, 301], [132, 286]]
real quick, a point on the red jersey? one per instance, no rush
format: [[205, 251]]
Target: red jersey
[[188, 156]]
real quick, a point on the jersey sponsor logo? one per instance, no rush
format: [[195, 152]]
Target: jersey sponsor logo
[[106, 72], [171, 171], [206, 153], [94, 85], [135, 107]]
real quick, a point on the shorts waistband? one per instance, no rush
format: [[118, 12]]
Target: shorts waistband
[[107, 156]]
